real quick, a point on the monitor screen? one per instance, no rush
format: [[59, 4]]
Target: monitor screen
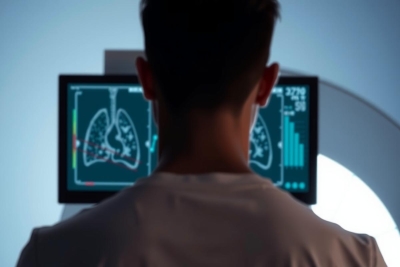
[[108, 139]]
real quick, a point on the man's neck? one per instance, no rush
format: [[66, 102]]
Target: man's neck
[[205, 145]]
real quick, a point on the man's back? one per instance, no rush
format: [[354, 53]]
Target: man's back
[[204, 220]]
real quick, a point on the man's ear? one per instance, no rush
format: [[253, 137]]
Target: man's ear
[[145, 78], [268, 81]]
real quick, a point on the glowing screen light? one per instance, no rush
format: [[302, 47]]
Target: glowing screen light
[[343, 198]]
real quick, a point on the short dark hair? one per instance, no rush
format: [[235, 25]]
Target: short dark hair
[[207, 53]]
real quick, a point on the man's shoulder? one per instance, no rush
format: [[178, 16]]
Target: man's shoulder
[[109, 213], [298, 227], [85, 236]]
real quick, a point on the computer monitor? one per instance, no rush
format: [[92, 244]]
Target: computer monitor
[[108, 139]]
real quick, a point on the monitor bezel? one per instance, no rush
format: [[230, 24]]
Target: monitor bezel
[[80, 197]]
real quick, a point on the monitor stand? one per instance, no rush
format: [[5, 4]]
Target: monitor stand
[[116, 62]]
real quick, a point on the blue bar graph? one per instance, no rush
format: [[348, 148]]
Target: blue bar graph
[[293, 149], [296, 150], [286, 141], [291, 143], [301, 153]]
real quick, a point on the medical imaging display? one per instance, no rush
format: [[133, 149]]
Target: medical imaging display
[[112, 138], [279, 140]]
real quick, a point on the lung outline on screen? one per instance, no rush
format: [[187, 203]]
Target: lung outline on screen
[[97, 149], [262, 155]]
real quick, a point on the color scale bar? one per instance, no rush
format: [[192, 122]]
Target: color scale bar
[[74, 125]]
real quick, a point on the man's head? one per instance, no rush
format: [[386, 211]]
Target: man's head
[[206, 69], [207, 54]]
